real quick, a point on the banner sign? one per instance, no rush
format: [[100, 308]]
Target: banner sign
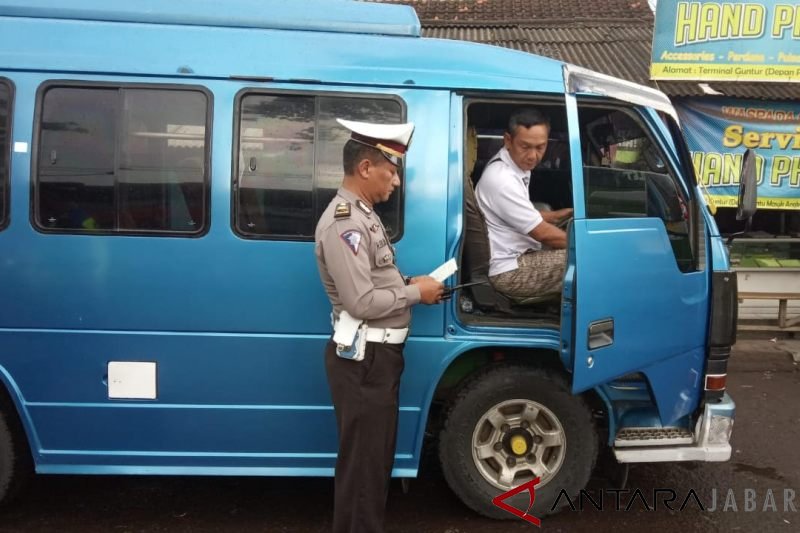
[[734, 41], [719, 130]]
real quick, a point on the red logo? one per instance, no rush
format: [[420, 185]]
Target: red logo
[[529, 486]]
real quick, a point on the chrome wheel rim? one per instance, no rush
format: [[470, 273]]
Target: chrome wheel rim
[[516, 441]]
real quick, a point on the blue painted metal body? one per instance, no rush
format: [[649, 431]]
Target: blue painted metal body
[[238, 326]]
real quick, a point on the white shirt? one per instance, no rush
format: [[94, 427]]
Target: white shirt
[[502, 196]]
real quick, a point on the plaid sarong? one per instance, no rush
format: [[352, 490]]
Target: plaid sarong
[[540, 273]]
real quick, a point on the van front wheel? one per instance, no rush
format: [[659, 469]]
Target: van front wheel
[[510, 425]]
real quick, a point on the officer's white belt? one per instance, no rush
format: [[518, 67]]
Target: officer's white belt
[[387, 335], [384, 335]]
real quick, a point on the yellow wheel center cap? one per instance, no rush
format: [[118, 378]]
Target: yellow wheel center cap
[[518, 445]]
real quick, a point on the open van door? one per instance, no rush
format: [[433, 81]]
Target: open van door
[[636, 288]]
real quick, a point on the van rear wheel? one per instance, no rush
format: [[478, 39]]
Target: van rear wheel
[[15, 460], [510, 425]]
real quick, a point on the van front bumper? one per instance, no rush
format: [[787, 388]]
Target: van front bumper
[[711, 439]]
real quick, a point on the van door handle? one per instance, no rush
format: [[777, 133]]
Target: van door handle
[[601, 333]]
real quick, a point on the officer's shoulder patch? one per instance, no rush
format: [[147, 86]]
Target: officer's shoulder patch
[[352, 238], [364, 207], [342, 210]]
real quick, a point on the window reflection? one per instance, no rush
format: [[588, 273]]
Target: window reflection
[[76, 159], [276, 163], [626, 175], [290, 160], [122, 159]]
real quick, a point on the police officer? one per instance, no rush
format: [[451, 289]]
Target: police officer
[[357, 266]]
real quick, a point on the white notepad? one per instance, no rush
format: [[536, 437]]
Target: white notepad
[[444, 271]]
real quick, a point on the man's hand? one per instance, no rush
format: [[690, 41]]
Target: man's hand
[[430, 290], [555, 217]]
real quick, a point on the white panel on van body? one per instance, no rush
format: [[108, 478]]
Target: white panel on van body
[[581, 80], [132, 380]]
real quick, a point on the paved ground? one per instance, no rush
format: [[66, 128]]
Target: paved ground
[[764, 381]]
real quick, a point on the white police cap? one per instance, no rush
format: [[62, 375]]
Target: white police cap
[[392, 140]]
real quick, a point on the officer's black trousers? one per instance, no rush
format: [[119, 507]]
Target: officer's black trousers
[[365, 397]]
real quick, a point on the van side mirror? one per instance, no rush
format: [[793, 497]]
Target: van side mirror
[[748, 192]]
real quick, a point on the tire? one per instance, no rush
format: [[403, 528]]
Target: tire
[[533, 407], [15, 460]]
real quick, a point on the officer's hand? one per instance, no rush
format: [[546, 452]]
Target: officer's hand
[[430, 290]]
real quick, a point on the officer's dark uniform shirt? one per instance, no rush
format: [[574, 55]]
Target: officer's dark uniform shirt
[[357, 264]]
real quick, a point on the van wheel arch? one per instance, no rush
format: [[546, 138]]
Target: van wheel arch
[[553, 429]]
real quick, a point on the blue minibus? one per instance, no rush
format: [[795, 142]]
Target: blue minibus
[[162, 169]]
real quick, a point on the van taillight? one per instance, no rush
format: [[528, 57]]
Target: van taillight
[[716, 382]]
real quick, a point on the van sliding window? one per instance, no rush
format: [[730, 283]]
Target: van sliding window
[[289, 161], [5, 148], [122, 160]]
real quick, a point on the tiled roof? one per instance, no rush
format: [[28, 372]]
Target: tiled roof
[[594, 47], [609, 36], [547, 34]]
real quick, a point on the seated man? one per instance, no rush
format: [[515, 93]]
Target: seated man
[[528, 249]]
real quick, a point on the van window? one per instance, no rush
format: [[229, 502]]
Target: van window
[[122, 160], [626, 175], [5, 148], [289, 162]]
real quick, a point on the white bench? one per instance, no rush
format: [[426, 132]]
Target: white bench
[[784, 323]]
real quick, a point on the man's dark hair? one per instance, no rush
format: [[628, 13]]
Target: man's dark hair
[[354, 152], [526, 117]]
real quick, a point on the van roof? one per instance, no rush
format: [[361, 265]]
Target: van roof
[[313, 15], [239, 39]]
